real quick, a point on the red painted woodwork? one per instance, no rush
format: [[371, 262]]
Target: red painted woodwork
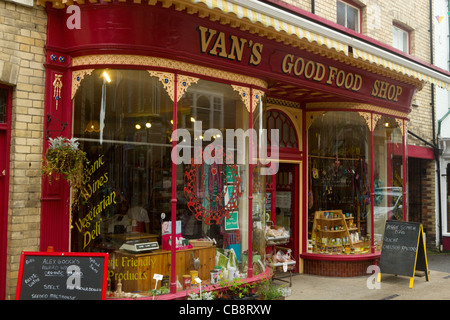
[[168, 33], [55, 198], [5, 143], [420, 152]]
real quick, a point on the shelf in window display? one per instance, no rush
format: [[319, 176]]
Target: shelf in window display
[[331, 231]]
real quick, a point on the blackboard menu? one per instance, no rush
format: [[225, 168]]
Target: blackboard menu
[[62, 276], [403, 250]]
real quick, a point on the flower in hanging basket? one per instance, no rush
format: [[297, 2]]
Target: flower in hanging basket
[[64, 158]]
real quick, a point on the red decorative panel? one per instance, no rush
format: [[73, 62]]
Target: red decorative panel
[[288, 136]]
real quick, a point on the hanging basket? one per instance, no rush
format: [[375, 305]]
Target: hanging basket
[[64, 159]]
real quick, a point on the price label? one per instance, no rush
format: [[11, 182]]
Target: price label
[[158, 277]]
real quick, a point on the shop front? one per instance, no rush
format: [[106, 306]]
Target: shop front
[[206, 131]]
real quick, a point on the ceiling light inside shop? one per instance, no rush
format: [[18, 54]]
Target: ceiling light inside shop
[[148, 125], [106, 76], [192, 119], [138, 126], [92, 126]]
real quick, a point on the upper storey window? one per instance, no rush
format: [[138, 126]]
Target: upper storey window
[[348, 16], [400, 39]]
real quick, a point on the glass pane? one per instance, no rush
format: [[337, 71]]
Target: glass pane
[[388, 174], [339, 184], [341, 17], [261, 200], [212, 172], [395, 43], [122, 125], [352, 18], [405, 42], [3, 100]]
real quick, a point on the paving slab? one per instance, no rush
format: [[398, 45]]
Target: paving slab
[[391, 287]]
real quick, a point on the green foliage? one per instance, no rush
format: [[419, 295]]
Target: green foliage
[[206, 295], [239, 288], [64, 159], [268, 291], [160, 291]]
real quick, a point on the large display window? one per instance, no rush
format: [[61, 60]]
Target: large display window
[[124, 121], [339, 184], [341, 150], [388, 174]]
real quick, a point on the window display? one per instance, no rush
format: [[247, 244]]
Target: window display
[[123, 120], [388, 176], [339, 213], [340, 181]]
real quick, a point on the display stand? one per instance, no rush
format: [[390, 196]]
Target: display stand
[[334, 233], [280, 268]]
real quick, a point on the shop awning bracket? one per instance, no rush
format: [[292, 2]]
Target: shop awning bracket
[[63, 125]]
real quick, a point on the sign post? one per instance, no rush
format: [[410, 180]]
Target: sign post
[[403, 251]]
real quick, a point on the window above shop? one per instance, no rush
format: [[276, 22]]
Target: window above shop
[[400, 38], [27, 3], [349, 16]]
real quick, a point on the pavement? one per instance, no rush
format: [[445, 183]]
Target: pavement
[[391, 287]]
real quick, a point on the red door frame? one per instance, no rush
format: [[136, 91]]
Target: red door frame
[[4, 193], [295, 206], [293, 157]]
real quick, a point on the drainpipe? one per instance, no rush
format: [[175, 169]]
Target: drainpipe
[[313, 6], [436, 147]]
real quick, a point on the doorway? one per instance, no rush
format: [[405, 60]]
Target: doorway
[[285, 211], [416, 173]]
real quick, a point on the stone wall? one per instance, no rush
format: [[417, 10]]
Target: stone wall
[[22, 38]]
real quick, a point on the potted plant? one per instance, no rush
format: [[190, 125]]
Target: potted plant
[[64, 159]]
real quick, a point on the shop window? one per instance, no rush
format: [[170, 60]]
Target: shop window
[[215, 204], [339, 213], [348, 16], [124, 122], [123, 126], [388, 150]]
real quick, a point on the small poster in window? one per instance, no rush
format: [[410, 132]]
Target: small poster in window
[[232, 223]]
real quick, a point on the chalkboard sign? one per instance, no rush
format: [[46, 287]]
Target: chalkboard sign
[[62, 276], [403, 250]]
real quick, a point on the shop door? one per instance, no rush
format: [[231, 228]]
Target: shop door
[[287, 205], [5, 101]]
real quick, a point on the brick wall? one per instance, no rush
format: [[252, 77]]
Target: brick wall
[[22, 39]]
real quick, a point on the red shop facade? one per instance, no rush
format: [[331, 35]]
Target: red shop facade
[[143, 86]]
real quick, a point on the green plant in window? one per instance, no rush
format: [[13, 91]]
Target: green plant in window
[[64, 159], [160, 291]]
